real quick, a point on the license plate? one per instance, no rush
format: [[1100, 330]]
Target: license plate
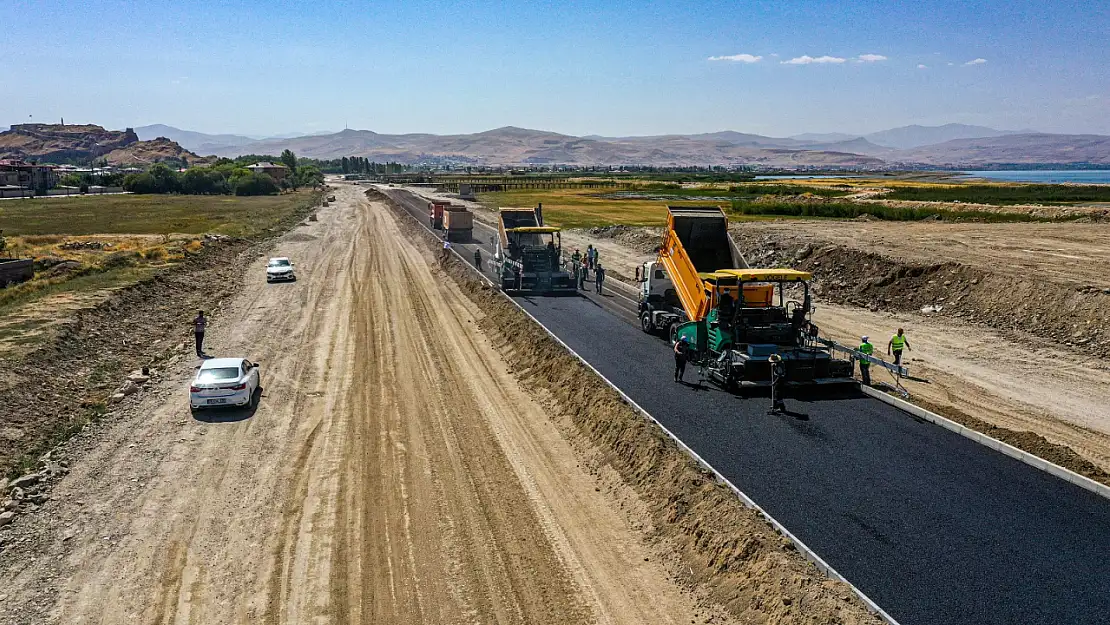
[[217, 401]]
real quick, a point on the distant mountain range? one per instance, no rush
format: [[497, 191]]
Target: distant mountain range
[[951, 145]]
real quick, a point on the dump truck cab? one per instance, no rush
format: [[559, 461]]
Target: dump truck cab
[[528, 257]]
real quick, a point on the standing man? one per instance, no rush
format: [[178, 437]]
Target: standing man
[[680, 354], [897, 343], [778, 384], [199, 324], [478, 258], [590, 256], [580, 268], [867, 349], [446, 251], [576, 257], [599, 277]]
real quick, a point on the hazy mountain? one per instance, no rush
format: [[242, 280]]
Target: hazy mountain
[[1029, 148], [512, 145], [906, 137], [823, 137], [199, 142], [858, 145]]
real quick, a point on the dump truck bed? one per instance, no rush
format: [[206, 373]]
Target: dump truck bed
[[696, 242]]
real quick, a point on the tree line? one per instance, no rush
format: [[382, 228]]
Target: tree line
[[225, 177]]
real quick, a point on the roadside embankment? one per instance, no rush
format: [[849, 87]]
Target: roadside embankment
[[724, 548]]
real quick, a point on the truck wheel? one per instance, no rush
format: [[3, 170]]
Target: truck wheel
[[672, 332], [645, 323]]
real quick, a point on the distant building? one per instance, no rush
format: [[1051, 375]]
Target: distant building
[[22, 174], [277, 172]]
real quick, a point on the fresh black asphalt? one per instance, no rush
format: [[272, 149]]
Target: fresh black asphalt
[[932, 526]]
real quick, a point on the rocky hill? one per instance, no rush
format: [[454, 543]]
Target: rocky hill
[[157, 150], [56, 143]]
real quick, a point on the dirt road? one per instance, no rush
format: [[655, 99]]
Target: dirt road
[[394, 472]]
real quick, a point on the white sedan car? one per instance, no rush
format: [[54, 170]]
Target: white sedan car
[[280, 268], [224, 382]]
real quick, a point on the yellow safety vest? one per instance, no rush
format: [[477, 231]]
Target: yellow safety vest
[[867, 348], [898, 343]]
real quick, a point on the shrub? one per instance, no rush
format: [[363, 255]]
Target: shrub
[[254, 184]]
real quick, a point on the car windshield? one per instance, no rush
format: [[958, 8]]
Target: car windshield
[[279, 263], [217, 374]]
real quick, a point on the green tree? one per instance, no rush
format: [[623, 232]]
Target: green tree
[[310, 176], [289, 160], [346, 165]]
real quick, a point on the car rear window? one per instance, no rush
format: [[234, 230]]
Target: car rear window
[[217, 374]]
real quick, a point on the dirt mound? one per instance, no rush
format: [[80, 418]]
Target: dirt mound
[[1076, 316], [726, 548], [640, 238]]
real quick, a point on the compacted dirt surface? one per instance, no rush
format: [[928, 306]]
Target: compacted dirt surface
[[393, 472]]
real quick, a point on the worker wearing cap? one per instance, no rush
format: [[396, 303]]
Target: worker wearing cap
[[680, 348], [897, 343], [867, 349], [778, 384]]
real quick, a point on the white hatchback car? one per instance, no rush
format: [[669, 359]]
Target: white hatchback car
[[280, 268], [224, 382]]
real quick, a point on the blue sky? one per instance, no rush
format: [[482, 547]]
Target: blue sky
[[611, 68]]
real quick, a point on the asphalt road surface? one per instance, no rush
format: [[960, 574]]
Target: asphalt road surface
[[934, 527]]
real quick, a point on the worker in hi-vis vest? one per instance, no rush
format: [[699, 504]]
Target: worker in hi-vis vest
[[897, 343], [867, 349]]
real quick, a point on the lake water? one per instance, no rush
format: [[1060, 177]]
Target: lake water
[[1088, 176]]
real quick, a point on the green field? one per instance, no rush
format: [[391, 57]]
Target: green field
[[151, 214], [1002, 195]]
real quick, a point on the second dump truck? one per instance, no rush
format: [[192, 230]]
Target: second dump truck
[[458, 223], [734, 317]]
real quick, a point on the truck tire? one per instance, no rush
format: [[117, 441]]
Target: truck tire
[[672, 332], [645, 323]]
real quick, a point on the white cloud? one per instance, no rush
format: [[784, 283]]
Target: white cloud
[[922, 66], [976, 62], [737, 58], [870, 58], [807, 60]]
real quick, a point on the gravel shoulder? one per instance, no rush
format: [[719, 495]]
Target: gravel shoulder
[[395, 471]]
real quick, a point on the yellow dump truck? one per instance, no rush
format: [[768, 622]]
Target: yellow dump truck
[[734, 317]]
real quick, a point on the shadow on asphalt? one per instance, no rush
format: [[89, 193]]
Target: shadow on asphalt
[[228, 415]]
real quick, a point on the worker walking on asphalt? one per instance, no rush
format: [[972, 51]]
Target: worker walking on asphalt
[[599, 277], [897, 343], [580, 268], [199, 324], [576, 257], [778, 384], [478, 258], [680, 355], [867, 349], [590, 256]]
